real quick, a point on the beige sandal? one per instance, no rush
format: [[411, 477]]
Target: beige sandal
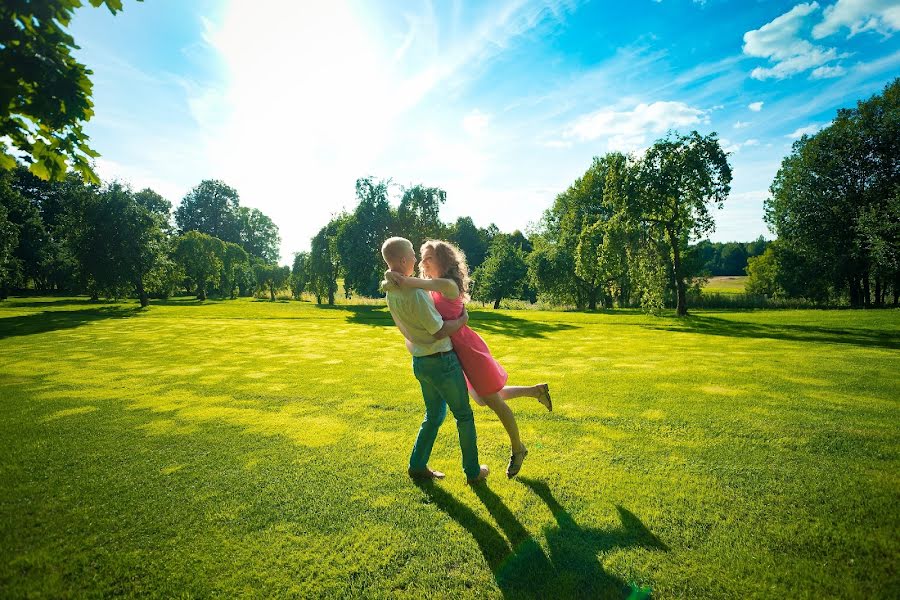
[[544, 398]]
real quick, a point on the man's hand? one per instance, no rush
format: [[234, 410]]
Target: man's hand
[[395, 278]]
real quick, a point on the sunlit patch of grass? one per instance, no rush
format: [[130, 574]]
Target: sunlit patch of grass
[[244, 447]]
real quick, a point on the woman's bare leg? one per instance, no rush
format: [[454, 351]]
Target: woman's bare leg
[[540, 391], [505, 414]]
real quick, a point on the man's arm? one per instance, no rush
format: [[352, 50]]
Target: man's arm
[[445, 287], [451, 327]]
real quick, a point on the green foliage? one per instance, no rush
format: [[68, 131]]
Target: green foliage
[[258, 234], [200, 256], [474, 242], [210, 208], [116, 241], [360, 235], [9, 239], [45, 94], [299, 274], [762, 274], [503, 273], [677, 179], [418, 218], [234, 261], [272, 278], [324, 263], [832, 193]]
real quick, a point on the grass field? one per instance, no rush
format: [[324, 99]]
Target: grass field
[[726, 285], [248, 448]]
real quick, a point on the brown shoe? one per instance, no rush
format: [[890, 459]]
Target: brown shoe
[[544, 398], [482, 475], [425, 473], [515, 462]]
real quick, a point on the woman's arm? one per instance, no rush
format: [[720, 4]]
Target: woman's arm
[[451, 327], [445, 287]]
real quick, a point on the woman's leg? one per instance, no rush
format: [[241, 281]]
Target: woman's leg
[[540, 391], [505, 414]]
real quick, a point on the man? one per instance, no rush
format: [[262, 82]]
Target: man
[[435, 365]]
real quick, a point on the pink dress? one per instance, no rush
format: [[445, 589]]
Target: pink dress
[[483, 373]]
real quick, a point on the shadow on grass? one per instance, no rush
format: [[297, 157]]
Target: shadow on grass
[[521, 567], [480, 321], [53, 320], [866, 338]]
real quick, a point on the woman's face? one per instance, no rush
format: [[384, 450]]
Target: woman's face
[[429, 264]]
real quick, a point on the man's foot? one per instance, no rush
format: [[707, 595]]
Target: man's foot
[[481, 476], [544, 396], [425, 473], [515, 462]]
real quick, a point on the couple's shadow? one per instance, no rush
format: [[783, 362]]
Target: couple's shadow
[[569, 568]]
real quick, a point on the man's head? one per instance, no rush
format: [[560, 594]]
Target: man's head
[[399, 255]]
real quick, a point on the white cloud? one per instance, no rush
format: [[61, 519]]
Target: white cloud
[[557, 144], [881, 16], [734, 148], [827, 72], [628, 130], [780, 42], [800, 132], [742, 124], [755, 106], [475, 123]]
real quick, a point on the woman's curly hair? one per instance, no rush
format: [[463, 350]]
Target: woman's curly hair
[[451, 262]]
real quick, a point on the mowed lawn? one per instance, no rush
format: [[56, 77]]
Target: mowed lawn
[[728, 284], [248, 449]]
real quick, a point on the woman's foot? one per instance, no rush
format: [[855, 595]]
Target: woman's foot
[[515, 462], [544, 396]]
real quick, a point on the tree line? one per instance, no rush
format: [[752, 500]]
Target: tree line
[[835, 207], [108, 240]]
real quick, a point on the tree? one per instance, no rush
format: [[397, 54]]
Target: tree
[[117, 242], [324, 262], [502, 274], [210, 208], [471, 240], [733, 259], [258, 234], [300, 274], [8, 241], [45, 94], [29, 252], [200, 256], [762, 274], [360, 235], [272, 277], [418, 217], [158, 205], [677, 178], [234, 260], [830, 187]]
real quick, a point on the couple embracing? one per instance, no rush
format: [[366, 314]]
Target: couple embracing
[[450, 360]]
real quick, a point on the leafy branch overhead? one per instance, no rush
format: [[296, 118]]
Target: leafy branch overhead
[[45, 93]]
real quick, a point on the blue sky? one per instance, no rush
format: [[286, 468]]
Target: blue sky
[[502, 103]]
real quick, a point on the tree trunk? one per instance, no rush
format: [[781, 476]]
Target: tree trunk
[[142, 293], [681, 306], [201, 293], [272, 292], [866, 296], [854, 292], [497, 303], [331, 298], [896, 289], [878, 299]]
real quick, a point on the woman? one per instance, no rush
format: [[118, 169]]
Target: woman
[[445, 275]]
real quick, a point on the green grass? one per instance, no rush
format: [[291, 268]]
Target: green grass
[[248, 448], [730, 284]]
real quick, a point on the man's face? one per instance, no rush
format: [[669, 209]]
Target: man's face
[[409, 262]]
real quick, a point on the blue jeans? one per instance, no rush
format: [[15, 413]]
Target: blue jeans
[[443, 385]]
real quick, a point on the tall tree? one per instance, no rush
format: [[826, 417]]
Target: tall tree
[[299, 274], [258, 234], [324, 262], [829, 183], [359, 237], [118, 243], [678, 178], [418, 215], [272, 278], [503, 273], [45, 94], [8, 241], [200, 256], [234, 260], [470, 239], [210, 208]]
